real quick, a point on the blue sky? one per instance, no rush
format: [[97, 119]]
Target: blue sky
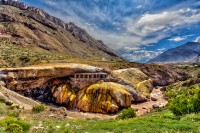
[[138, 29]]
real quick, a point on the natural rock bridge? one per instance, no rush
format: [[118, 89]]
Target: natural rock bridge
[[75, 86]]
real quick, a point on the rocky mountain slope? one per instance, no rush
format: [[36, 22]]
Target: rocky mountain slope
[[33, 28], [185, 53], [195, 60]]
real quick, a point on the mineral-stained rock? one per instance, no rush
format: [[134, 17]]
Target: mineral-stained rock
[[105, 97], [63, 94], [136, 78]]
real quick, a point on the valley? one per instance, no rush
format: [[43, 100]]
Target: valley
[[56, 78]]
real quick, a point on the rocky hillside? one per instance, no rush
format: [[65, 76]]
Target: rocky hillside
[[185, 53], [33, 28]]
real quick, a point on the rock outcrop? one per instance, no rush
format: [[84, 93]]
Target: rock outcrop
[[105, 97], [33, 77], [6, 18], [140, 82], [163, 75]]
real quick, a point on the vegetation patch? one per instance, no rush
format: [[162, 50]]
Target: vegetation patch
[[126, 114], [187, 101], [38, 108], [14, 125]]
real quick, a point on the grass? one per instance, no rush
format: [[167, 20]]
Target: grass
[[163, 122]]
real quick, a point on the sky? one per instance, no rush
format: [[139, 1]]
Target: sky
[[138, 29]]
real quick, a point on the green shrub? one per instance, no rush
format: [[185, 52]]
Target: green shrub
[[2, 100], [126, 114], [2, 110], [187, 101], [24, 58], [14, 114], [38, 108], [14, 128], [6, 122]]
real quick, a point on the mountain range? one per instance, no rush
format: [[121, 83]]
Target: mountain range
[[33, 28], [188, 53]]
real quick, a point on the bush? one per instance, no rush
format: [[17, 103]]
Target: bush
[[38, 108], [6, 122], [126, 114], [24, 58], [14, 114], [14, 128], [186, 102], [2, 100]]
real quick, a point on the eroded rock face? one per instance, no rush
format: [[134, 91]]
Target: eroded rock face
[[63, 94], [104, 97], [140, 82]]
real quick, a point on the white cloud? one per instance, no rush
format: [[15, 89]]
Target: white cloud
[[177, 39], [180, 38], [161, 49], [141, 55], [149, 23]]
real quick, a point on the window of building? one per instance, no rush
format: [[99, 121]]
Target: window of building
[[77, 76], [101, 76]]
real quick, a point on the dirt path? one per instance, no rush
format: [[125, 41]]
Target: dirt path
[[145, 107], [17, 99]]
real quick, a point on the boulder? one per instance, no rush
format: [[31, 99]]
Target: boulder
[[155, 106], [163, 88], [154, 99]]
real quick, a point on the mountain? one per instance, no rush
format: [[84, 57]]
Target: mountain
[[184, 53], [33, 28], [195, 60]]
